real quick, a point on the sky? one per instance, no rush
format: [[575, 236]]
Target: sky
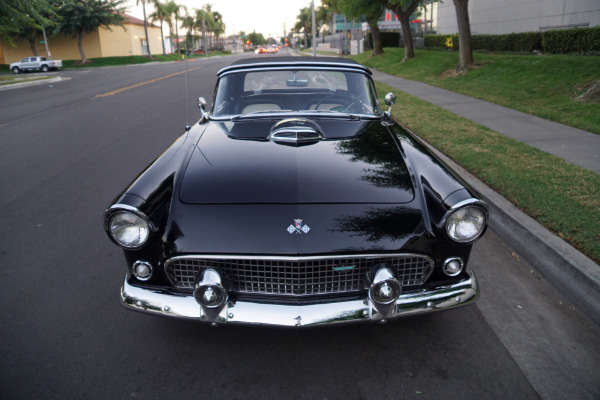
[[263, 16]]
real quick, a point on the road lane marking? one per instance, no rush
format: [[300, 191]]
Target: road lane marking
[[123, 89]]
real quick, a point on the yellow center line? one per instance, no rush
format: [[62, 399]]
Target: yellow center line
[[123, 89]]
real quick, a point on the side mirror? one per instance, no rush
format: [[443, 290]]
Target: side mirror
[[202, 106], [390, 99]]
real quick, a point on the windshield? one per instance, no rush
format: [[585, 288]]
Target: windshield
[[294, 91]]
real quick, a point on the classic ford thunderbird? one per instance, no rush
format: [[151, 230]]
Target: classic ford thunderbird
[[295, 201]]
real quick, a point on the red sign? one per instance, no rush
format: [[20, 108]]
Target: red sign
[[416, 21]]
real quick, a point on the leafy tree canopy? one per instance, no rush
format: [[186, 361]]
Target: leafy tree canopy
[[80, 17], [16, 15]]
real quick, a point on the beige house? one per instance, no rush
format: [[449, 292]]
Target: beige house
[[101, 43]]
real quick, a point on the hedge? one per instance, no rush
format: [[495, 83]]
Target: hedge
[[584, 41]]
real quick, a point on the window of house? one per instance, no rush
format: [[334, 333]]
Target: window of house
[[144, 47]]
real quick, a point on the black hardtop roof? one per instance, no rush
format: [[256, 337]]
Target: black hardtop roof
[[262, 62]]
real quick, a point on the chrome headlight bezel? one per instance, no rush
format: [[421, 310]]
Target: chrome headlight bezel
[[137, 219], [470, 215]]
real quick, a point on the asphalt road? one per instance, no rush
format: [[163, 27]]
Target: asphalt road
[[68, 148]]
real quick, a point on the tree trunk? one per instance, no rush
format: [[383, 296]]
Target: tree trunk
[[404, 18], [465, 51], [32, 39], [146, 29], [162, 38], [80, 46], [377, 45]]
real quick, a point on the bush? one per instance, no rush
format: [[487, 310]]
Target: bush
[[584, 41], [525, 42], [441, 41]]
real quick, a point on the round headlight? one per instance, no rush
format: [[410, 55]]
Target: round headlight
[[128, 229], [466, 224]]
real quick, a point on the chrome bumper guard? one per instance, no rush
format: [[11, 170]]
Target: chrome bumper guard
[[162, 302]]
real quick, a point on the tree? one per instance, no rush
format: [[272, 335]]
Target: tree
[[80, 17], [137, 2], [160, 14], [16, 15], [174, 10], [257, 39], [465, 50], [370, 9], [188, 22], [404, 9], [304, 22]]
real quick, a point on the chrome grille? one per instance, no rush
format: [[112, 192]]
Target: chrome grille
[[297, 276]]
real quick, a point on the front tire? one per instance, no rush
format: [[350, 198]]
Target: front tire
[[44, 68], [16, 70]]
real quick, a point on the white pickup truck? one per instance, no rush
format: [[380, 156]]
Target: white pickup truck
[[35, 64]]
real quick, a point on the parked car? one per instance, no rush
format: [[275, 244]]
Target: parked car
[[35, 64], [296, 200]]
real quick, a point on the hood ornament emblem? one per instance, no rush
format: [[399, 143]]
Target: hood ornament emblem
[[297, 227]]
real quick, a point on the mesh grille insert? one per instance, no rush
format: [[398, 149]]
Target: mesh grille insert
[[298, 276]]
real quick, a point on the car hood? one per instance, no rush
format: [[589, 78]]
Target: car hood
[[357, 162]]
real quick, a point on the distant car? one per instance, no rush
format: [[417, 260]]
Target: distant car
[[35, 64], [296, 200], [260, 50]]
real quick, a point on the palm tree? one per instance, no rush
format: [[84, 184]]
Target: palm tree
[[190, 23], [219, 28], [137, 2], [304, 22], [174, 10], [204, 22], [160, 14]]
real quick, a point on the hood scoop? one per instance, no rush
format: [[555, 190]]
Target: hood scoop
[[295, 132]]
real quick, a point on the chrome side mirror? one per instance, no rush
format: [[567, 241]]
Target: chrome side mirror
[[202, 106], [390, 99]]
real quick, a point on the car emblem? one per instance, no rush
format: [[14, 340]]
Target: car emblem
[[297, 227]]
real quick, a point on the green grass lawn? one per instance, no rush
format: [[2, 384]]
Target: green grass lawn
[[546, 86], [563, 197], [114, 61]]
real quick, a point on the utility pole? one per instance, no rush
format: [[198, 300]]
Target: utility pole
[[46, 44], [314, 30]]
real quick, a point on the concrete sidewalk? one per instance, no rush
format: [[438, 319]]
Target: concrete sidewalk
[[574, 145]]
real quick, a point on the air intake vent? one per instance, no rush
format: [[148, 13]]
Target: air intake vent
[[295, 132]]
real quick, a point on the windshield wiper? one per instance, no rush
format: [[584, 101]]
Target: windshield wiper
[[353, 117], [258, 114]]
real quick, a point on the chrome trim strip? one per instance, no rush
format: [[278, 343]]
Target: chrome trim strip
[[295, 258], [165, 303], [293, 65], [295, 114]]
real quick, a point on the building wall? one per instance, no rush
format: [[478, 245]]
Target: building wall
[[102, 43], [118, 42], [513, 16]]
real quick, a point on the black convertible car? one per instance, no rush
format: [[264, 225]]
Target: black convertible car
[[296, 200]]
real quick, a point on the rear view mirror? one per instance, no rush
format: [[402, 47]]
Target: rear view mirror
[[297, 82]]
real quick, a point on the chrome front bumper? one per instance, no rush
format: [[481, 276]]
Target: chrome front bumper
[[162, 302]]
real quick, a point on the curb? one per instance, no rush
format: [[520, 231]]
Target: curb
[[30, 83], [566, 268]]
